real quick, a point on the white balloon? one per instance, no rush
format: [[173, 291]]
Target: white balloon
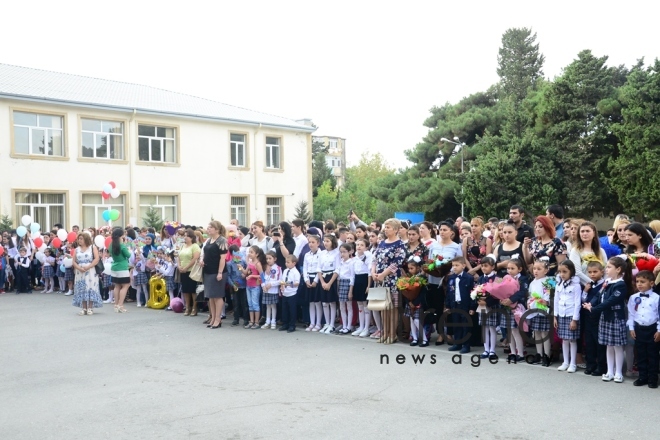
[[99, 241], [36, 235], [61, 234], [68, 262], [114, 193], [40, 257], [107, 188], [486, 233], [43, 247], [26, 220]]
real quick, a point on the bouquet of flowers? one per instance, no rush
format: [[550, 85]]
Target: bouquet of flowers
[[536, 301], [479, 294], [437, 266], [502, 288], [171, 227], [411, 286], [644, 263]]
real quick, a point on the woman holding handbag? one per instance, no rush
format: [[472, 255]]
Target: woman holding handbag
[[386, 269], [188, 257], [215, 271]]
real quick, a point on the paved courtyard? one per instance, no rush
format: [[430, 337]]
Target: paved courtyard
[[152, 374]]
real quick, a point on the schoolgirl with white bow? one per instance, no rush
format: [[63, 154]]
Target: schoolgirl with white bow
[[271, 289], [568, 295]]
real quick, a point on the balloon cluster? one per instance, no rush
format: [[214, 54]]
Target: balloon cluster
[[110, 190]]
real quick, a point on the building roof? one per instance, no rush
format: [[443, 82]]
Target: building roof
[[42, 85]]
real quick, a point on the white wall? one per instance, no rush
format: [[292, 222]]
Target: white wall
[[202, 178]]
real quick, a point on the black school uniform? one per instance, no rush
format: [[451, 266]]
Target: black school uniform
[[643, 316], [466, 304], [595, 353], [612, 324]]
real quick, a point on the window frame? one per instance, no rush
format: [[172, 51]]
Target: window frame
[[178, 204], [176, 138], [109, 205], [125, 130], [14, 204], [269, 152], [269, 214], [246, 161], [65, 134], [247, 208]]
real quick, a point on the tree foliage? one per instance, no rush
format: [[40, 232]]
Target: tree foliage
[[302, 211], [321, 172], [6, 223], [153, 219]]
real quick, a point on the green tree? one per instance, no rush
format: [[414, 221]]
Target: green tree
[[325, 199], [321, 172], [302, 211], [153, 219], [634, 173], [6, 223]]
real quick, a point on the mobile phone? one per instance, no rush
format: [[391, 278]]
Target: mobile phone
[[350, 213], [276, 234], [528, 234]]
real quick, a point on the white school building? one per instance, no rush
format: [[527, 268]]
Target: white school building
[[62, 137]]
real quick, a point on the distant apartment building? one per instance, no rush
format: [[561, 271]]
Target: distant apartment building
[[335, 157]]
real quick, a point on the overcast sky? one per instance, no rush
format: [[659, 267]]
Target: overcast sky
[[365, 71]]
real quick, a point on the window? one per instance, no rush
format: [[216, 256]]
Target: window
[[333, 162], [333, 144], [273, 210], [38, 134], [272, 152], [167, 205], [156, 144], [46, 209], [238, 210], [237, 146], [93, 207], [102, 139]]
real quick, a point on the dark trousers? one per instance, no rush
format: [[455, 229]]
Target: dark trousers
[[461, 335], [23, 280], [595, 353], [241, 305], [647, 352], [289, 315]]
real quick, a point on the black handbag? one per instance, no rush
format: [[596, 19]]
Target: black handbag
[[99, 268]]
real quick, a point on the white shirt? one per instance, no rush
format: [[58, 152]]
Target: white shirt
[[457, 293], [568, 299], [328, 260], [536, 286], [301, 241], [362, 264], [290, 276], [272, 276], [311, 265], [165, 269], [346, 270], [448, 252], [647, 310]]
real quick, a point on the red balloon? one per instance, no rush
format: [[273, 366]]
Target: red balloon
[[105, 196], [56, 242], [38, 242], [108, 240], [72, 237], [2, 251], [112, 184]]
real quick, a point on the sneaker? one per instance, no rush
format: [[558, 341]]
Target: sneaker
[[572, 369], [310, 328], [607, 378], [108, 301], [364, 333], [563, 367], [357, 332], [68, 293], [139, 305], [454, 348], [324, 328], [618, 379], [328, 330], [266, 325], [273, 327]]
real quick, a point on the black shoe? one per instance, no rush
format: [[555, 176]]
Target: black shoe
[[596, 373], [520, 359], [424, 344], [492, 357], [283, 329], [454, 348], [653, 385], [465, 350], [537, 359], [440, 342], [640, 382], [291, 330], [588, 372], [511, 358], [234, 323], [413, 344], [545, 361]]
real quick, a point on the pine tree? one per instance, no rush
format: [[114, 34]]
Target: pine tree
[[5, 223], [302, 212], [153, 219]]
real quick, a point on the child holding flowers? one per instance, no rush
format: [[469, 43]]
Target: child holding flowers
[[488, 308], [540, 290], [416, 282]]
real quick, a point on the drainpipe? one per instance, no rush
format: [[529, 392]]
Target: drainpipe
[[131, 208], [254, 170]]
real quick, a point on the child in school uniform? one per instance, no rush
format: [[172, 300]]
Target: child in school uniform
[[328, 262], [362, 269], [489, 316], [412, 309], [612, 325], [346, 274], [288, 290], [61, 271], [165, 268], [596, 353], [106, 278], [271, 289], [22, 272], [514, 269], [459, 287], [311, 279], [48, 271], [568, 296], [140, 278], [644, 326], [237, 280], [539, 322]]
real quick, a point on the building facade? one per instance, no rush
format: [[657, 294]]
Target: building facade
[[62, 137], [335, 158]]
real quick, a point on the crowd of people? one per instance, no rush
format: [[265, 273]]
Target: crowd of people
[[583, 301]]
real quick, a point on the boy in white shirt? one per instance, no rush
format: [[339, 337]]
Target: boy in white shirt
[[644, 326], [288, 289]]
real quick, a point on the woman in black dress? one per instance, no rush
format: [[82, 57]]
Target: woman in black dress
[[215, 271]]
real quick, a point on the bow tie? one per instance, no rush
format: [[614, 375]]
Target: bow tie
[[644, 295]]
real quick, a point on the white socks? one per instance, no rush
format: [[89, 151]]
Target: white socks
[[569, 350], [312, 314], [366, 314], [361, 317], [543, 347], [377, 321], [414, 330], [617, 355], [319, 313], [271, 314], [346, 308], [142, 288], [516, 344], [490, 338]]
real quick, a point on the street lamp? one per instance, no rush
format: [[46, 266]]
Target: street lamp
[[460, 145]]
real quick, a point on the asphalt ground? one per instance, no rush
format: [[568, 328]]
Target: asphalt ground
[[151, 374]]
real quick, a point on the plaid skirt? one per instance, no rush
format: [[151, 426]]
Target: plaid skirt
[[269, 298], [539, 323], [68, 274], [106, 280], [612, 333], [140, 278], [170, 284], [498, 316], [48, 272], [329, 296], [563, 330], [406, 312], [342, 289]]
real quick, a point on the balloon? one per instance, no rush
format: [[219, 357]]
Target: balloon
[[35, 227], [38, 242], [72, 237], [114, 215], [177, 305], [115, 193], [108, 240], [36, 235], [106, 215], [107, 188], [105, 195], [57, 243], [2, 251], [40, 256], [62, 268], [68, 262], [21, 231], [26, 220], [43, 247], [61, 234], [112, 184], [99, 241]]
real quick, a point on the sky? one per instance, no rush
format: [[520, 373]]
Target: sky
[[363, 70]]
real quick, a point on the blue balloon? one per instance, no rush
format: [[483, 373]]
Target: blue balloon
[[35, 227], [106, 215], [21, 231], [62, 268]]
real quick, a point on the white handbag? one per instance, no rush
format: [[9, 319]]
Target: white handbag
[[379, 299]]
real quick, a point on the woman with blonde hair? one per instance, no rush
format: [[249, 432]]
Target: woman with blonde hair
[[476, 246], [386, 269]]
